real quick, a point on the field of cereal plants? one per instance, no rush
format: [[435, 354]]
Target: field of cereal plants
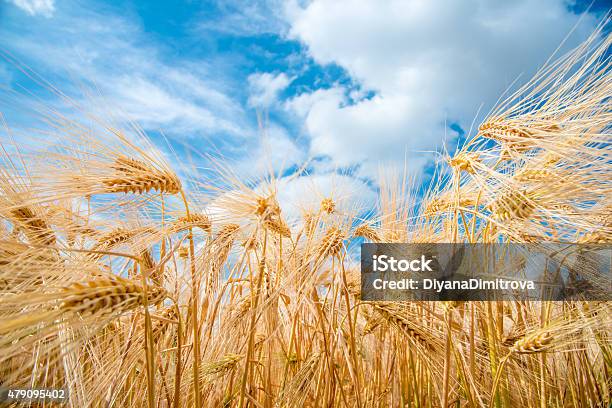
[[129, 284]]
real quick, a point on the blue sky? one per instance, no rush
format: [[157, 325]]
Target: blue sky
[[349, 85]]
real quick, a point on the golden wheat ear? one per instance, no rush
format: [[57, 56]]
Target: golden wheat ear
[[368, 232], [116, 237], [533, 343], [226, 363], [35, 227], [201, 221], [108, 295], [331, 243], [328, 205], [135, 176], [277, 226]]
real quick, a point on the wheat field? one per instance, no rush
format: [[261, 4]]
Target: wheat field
[[130, 283]]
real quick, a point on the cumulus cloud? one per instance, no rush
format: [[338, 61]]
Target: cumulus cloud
[[35, 7], [303, 103], [428, 63], [265, 87], [305, 193], [271, 153], [297, 195]]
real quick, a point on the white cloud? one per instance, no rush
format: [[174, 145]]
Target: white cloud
[[272, 152], [305, 193], [277, 151], [34, 7], [428, 62], [123, 71], [297, 195], [153, 106], [5, 74], [265, 87], [244, 18], [303, 103]]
